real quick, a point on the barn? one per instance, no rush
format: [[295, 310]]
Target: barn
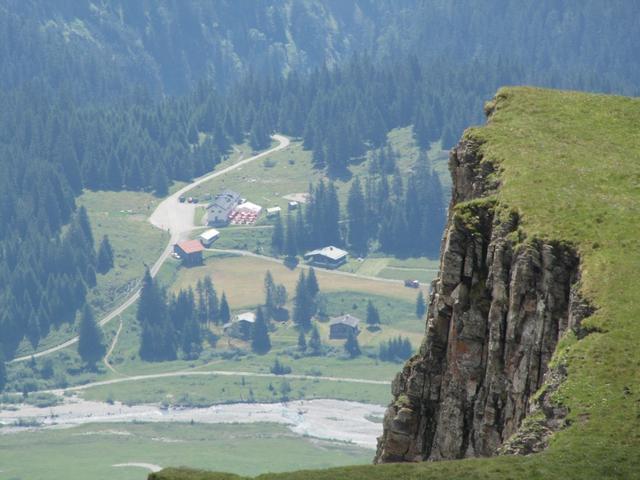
[[241, 327], [327, 257], [190, 252], [341, 327]]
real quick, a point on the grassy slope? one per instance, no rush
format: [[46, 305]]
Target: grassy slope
[[570, 163], [242, 280], [88, 452]]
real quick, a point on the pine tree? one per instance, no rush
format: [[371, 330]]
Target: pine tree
[[105, 256], [157, 342], [312, 291], [421, 305], [213, 307], [3, 370], [85, 226], [260, 342], [191, 343], [277, 237], [356, 208], [351, 345], [225, 314], [160, 182], [280, 298], [373, 317], [269, 293], [290, 244], [302, 342], [90, 342], [315, 344], [302, 308], [332, 216], [301, 231]]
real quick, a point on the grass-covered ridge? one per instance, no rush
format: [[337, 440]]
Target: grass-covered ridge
[[569, 163]]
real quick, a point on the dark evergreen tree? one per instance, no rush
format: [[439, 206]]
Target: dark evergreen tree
[[3, 371], [302, 306], [302, 342], [105, 256], [191, 338], [356, 210], [224, 313], [395, 350], [269, 294], [373, 316], [351, 345], [157, 341], [160, 181], [260, 342], [313, 288], [277, 237], [315, 343], [211, 296], [90, 339], [290, 244], [421, 305], [280, 298]]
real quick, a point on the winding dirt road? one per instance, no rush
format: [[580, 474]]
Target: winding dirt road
[[177, 219], [219, 373]]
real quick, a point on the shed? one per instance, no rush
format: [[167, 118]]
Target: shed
[[190, 251], [328, 257], [241, 326], [341, 327], [273, 211], [209, 236]]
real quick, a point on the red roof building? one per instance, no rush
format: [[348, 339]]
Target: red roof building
[[190, 252]]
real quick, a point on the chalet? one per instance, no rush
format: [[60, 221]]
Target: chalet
[[341, 327], [221, 206], [209, 236], [189, 251], [328, 257], [241, 326], [273, 212]]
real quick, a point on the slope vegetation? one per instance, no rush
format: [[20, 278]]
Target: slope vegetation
[[569, 164]]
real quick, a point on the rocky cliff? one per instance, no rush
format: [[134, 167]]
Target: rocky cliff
[[497, 310]]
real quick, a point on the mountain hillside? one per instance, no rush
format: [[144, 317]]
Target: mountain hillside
[[552, 182], [169, 46]]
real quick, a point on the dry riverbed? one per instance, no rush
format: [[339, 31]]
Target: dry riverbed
[[334, 420]]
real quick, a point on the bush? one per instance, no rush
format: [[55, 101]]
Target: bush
[[280, 369], [43, 400]]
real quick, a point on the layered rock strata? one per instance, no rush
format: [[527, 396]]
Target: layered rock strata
[[496, 313]]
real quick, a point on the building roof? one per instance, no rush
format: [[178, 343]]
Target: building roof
[[252, 207], [274, 210], [224, 201], [246, 317], [347, 319], [209, 234], [334, 253], [190, 246]]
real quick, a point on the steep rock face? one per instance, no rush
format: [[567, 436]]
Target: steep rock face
[[495, 316]]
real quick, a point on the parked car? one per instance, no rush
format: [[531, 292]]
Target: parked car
[[195, 200], [411, 283], [182, 198], [190, 200]]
